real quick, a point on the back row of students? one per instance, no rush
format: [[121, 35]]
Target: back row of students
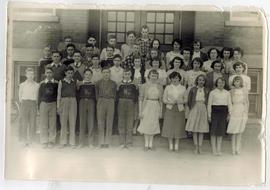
[[181, 103]]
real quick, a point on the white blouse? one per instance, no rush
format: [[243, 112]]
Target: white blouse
[[174, 95], [162, 76], [219, 97], [246, 81], [200, 96]]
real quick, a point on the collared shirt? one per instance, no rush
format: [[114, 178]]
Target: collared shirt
[[78, 64], [174, 95], [126, 82], [68, 81], [47, 80], [53, 64], [28, 90], [137, 73], [117, 74]]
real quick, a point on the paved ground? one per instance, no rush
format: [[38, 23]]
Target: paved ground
[[137, 166]]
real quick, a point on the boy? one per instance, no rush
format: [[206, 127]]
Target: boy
[[197, 45], [78, 66], [57, 67], [92, 42], [108, 62], [144, 43], [62, 46], [111, 42], [105, 95], [68, 58], [128, 63], [117, 70], [43, 62], [67, 108], [86, 96], [89, 52], [28, 95], [127, 95], [97, 75], [47, 104]]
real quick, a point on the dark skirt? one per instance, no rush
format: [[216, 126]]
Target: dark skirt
[[219, 120]]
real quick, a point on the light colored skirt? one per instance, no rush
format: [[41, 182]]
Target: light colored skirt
[[238, 119]]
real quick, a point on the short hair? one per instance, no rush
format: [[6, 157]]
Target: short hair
[[89, 45], [77, 51], [198, 41], [95, 55], [131, 32], [209, 51], [71, 45], [152, 42], [29, 69], [111, 36], [105, 68], [69, 68], [186, 49], [238, 78], [67, 37], [220, 78], [155, 59], [88, 70], [145, 27], [56, 51], [215, 62], [226, 49], [117, 56], [238, 63], [198, 60], [110, 46], [173, 60], [197, 78], [175, 74], [178, 41], [153, 71], [239, 50]]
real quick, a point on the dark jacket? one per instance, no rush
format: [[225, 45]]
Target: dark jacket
[[192, 96]]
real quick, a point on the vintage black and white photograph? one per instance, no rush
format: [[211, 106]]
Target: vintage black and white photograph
[[149, 95]]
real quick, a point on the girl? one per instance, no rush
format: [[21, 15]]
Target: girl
[[226, 55], [239, 113], [237, 56], [240, 69], [156, 64], [187, 54], [213, 55], [176, 44], [150, 108], [197, 121], [191, 76], [175, 66], [174, 118], [154, 54], [219, 111], [211, 77], [156, 45], [127, 48]]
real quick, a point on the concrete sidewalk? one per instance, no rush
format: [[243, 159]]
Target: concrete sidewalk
[[137, 166]]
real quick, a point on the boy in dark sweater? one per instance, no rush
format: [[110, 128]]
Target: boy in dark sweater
[[78, 66], [86, 95], [127, 95], [57, 67], [67, 108], [43, 62], [47, 104]]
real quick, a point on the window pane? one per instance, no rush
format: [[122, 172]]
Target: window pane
[[169, 17], [151, 28], [112, 16], [130, 26], [120, 27], [160, 17], [150, 17], [160, 38], [111, 26], [121, 16], [120, 37], [159, 28], [253, 83], [168, 39], [169, 28], [130, 16]]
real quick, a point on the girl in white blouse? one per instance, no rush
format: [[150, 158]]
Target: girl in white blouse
[[219, 109]]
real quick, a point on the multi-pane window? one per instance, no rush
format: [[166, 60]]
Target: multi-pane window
[[161, 26], [119, 23]]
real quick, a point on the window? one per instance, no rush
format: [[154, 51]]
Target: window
[[244, 18], [119, 23], [161, 26]]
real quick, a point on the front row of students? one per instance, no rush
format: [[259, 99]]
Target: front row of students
[[208, 111]]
